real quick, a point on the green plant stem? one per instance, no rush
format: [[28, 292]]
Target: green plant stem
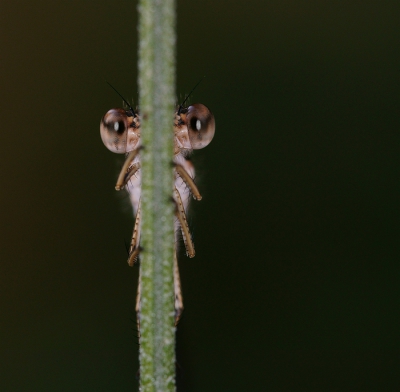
[[157, 94]]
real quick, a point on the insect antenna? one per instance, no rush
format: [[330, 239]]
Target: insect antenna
[[129, 106], [187, 96]]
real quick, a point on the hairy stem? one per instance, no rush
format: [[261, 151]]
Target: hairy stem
[[157, 94]]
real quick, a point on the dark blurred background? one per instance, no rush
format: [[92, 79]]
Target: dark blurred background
[[295, 285]]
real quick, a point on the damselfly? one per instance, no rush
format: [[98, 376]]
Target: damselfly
[[194, 128]]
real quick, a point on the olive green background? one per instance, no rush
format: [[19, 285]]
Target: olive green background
[[295, 285]]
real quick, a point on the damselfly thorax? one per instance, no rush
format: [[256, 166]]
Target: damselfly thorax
[[194, 128]]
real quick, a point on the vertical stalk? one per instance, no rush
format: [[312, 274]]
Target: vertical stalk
[[156, 100]]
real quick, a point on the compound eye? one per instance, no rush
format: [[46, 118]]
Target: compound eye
[[113, 130], [201, 125]]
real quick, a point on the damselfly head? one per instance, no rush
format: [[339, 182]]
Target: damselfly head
[[196, 126], [120, 130]]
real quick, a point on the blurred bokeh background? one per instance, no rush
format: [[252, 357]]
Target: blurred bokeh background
[[295, 285]]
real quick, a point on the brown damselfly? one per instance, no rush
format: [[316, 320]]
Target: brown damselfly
[[193, 128]]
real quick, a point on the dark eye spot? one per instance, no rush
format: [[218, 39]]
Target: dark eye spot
[[116, 126], [196, 124]]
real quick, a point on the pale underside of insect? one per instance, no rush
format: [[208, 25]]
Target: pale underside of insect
[[194, 128]]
